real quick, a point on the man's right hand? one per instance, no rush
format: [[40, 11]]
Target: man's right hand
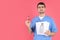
[[27, 22]]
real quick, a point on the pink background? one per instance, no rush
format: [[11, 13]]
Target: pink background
[[13, 14]]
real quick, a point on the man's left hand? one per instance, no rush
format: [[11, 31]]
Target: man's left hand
[[48, 33]]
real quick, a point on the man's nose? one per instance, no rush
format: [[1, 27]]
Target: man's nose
[[41, 9]]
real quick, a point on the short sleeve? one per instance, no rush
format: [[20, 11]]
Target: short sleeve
[[53, 26], [32, 25]]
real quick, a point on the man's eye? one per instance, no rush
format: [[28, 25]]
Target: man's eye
[[39, 7], [42, 7]]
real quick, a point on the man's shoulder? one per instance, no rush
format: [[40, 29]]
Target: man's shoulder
[[49, 17]]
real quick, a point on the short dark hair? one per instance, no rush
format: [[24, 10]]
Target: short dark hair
[[41, 3]]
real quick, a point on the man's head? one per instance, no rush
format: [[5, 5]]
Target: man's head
[[41, 7]]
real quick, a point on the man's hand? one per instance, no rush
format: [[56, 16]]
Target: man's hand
[[49, 33], [27, 22]]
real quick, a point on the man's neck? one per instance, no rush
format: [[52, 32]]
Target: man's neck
[[42, 15]]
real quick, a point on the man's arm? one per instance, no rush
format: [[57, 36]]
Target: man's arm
[[53, 30], [27, 22]]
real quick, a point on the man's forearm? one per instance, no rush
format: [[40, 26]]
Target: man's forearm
[[52, 33], [29, 29]]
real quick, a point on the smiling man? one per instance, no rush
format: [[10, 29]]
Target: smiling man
[[42, 25]]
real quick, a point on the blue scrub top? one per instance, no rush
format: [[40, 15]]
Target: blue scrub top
[[52, 27]]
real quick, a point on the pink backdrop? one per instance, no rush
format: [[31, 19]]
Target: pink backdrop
[[13, 14]]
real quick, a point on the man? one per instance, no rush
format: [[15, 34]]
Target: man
[[42, 26]]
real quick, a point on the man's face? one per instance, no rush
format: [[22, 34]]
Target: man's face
[[41, 9]]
